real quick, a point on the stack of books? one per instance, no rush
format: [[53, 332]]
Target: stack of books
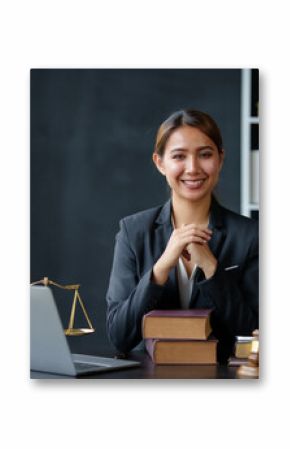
[[180, 337]]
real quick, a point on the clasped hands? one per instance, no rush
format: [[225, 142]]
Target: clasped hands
[[190, 241]]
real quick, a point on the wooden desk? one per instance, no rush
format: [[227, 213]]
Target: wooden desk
[[147, 370]]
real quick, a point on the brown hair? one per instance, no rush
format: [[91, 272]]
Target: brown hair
[[189, 117]]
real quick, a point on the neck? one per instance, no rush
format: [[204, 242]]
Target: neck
[[187, 212]]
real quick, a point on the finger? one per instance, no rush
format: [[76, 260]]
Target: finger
[[192, 225], [186, 240], [194, 228], [196, 233]]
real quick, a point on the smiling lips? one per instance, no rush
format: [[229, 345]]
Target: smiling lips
[[193, 183]]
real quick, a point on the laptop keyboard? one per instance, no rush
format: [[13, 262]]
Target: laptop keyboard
[[80, 366]]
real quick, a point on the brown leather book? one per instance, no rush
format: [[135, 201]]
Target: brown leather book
[[177, 324], [182, 352]]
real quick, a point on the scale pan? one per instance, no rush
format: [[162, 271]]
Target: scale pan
[[75, 332]]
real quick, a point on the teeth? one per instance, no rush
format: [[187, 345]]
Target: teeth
[[197, 183]]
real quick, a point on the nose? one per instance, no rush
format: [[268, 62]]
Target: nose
[[192, 164]]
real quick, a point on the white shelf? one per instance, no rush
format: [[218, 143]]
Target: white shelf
[[253, 206], [247, 206], [253, 120]]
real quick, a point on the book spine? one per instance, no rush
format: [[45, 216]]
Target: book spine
[[149, 344]]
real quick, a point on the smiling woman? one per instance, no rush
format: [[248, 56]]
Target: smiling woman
[[178, 255]]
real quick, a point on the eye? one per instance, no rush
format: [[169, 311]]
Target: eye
[[178, 157], [205, 154]]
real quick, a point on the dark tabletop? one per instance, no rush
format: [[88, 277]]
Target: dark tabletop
[[147, 370]]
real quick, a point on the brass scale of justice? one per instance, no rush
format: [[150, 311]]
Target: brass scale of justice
[[71, 331]]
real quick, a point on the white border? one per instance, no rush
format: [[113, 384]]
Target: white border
[[130, 34]]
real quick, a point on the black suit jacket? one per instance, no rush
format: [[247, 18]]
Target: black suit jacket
[[232, 291]]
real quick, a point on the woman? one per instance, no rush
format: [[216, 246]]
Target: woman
[[190, 252]]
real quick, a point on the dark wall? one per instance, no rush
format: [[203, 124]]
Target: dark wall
[[92, 136]]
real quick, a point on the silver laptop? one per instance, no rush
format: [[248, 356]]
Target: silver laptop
[[49, 349]]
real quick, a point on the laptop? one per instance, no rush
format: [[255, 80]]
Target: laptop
[[49, 349]]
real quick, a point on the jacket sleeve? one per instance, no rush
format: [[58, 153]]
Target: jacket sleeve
[[129, 296], [234, 294]]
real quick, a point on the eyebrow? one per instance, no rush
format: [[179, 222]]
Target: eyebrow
[[203, 147]]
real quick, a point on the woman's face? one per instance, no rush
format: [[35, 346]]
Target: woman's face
[[191, 163]]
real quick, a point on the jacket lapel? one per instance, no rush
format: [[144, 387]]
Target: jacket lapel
[[216, 241], [163, 231], [217, 226], [215, 244]]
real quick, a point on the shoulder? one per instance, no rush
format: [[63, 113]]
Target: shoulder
[[240, 229], [139, 227], [141, 220], [231, 218]]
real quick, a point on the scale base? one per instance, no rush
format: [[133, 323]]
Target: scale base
[[76, 332]]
